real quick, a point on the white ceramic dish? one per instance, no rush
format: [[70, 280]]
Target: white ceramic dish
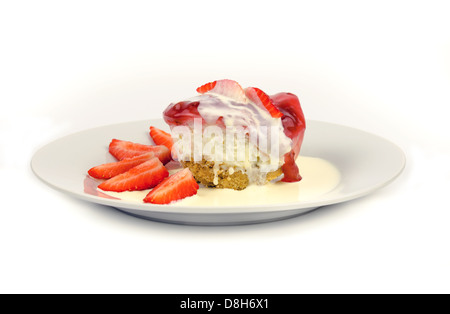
[[365, 162]]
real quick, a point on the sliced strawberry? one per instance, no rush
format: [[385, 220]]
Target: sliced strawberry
[[259, 97], [176, 187], [161, 137], [141, 177], [109, 170], [125, 149], [206, 88], [228, 88]]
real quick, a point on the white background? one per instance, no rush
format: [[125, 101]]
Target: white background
[[380, 66]]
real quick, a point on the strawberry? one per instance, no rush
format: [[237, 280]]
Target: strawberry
[[141, 177], [178, 186], [125, 149], [161, 137], [259, 97], [109, 170], [207, 87], [228, 88], [293, 119]]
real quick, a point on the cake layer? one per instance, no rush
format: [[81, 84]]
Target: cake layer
[[217, 175]]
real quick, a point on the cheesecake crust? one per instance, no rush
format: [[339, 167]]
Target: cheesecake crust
[[204, 173]]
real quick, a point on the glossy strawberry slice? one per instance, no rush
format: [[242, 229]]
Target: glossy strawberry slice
[[161, 137], [125, 149], [228, 88], [141, 177], [259, 97], [176, 187], [207, 87], [109, 170]]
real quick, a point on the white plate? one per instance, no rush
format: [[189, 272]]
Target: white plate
[[365, 162]]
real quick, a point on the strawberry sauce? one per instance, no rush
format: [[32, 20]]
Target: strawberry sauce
[[294, 127]]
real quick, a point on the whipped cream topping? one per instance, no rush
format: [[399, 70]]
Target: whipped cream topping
[[257, 120], [263, 141]]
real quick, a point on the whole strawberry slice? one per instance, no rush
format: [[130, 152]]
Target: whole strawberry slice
[[109, 170], [161, 137], [141, 177], [125, 149], [228, 88], [176, 187], [260, 98]]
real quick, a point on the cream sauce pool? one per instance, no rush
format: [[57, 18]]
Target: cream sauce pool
[[318, 178]]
